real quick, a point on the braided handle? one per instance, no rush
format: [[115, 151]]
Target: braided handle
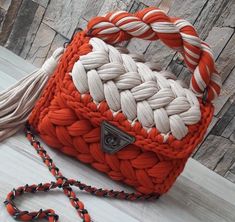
[[152, 24], [65, 184]]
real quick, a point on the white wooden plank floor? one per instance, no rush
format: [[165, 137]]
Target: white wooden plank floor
[[199, 195]]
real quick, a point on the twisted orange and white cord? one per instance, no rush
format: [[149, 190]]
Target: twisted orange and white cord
[[152, 24]]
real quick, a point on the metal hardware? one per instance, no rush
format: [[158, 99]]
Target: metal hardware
[[114, 139]]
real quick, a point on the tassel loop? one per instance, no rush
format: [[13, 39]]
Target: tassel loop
[[51, 63]]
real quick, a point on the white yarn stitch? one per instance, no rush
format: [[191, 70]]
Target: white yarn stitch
[[155, 99]]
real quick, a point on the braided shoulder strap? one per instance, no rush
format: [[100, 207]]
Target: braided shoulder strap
[[62, 183], [152, 24]]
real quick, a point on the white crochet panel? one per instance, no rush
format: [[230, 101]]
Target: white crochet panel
[[133, 87]]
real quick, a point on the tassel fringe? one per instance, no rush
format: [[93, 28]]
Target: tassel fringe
[[17, 101]]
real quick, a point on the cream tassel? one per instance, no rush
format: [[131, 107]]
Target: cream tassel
[[17, 101]]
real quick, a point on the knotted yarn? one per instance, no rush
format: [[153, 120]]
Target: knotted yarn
[[135, 90], [72, 107]]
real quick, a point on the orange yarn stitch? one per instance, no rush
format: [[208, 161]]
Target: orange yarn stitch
[[70, 123]]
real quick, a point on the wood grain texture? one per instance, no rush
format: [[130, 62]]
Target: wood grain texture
[[210, 14], [21, 27], [230, 175], [218, 38], [91, 9], [6, 81], [82, 24], [33, 29], [41, 45], [112, 5], [227, 92], [217, 153], [224, 120], [63, 15], [210, 127], [230, 128], [7, 20], [5, 4], [227, 17], [43, 3], [13, 65], [226, 61], [151, 2], [57, 42]]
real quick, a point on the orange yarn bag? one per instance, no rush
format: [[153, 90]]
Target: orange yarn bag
[[146, 146]]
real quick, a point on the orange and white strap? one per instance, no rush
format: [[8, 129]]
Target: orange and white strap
[[152, 24]]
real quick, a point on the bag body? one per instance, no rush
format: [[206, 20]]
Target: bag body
[[70, 120], [113, 110]]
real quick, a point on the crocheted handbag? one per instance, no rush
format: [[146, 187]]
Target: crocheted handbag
[[114, 111]]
